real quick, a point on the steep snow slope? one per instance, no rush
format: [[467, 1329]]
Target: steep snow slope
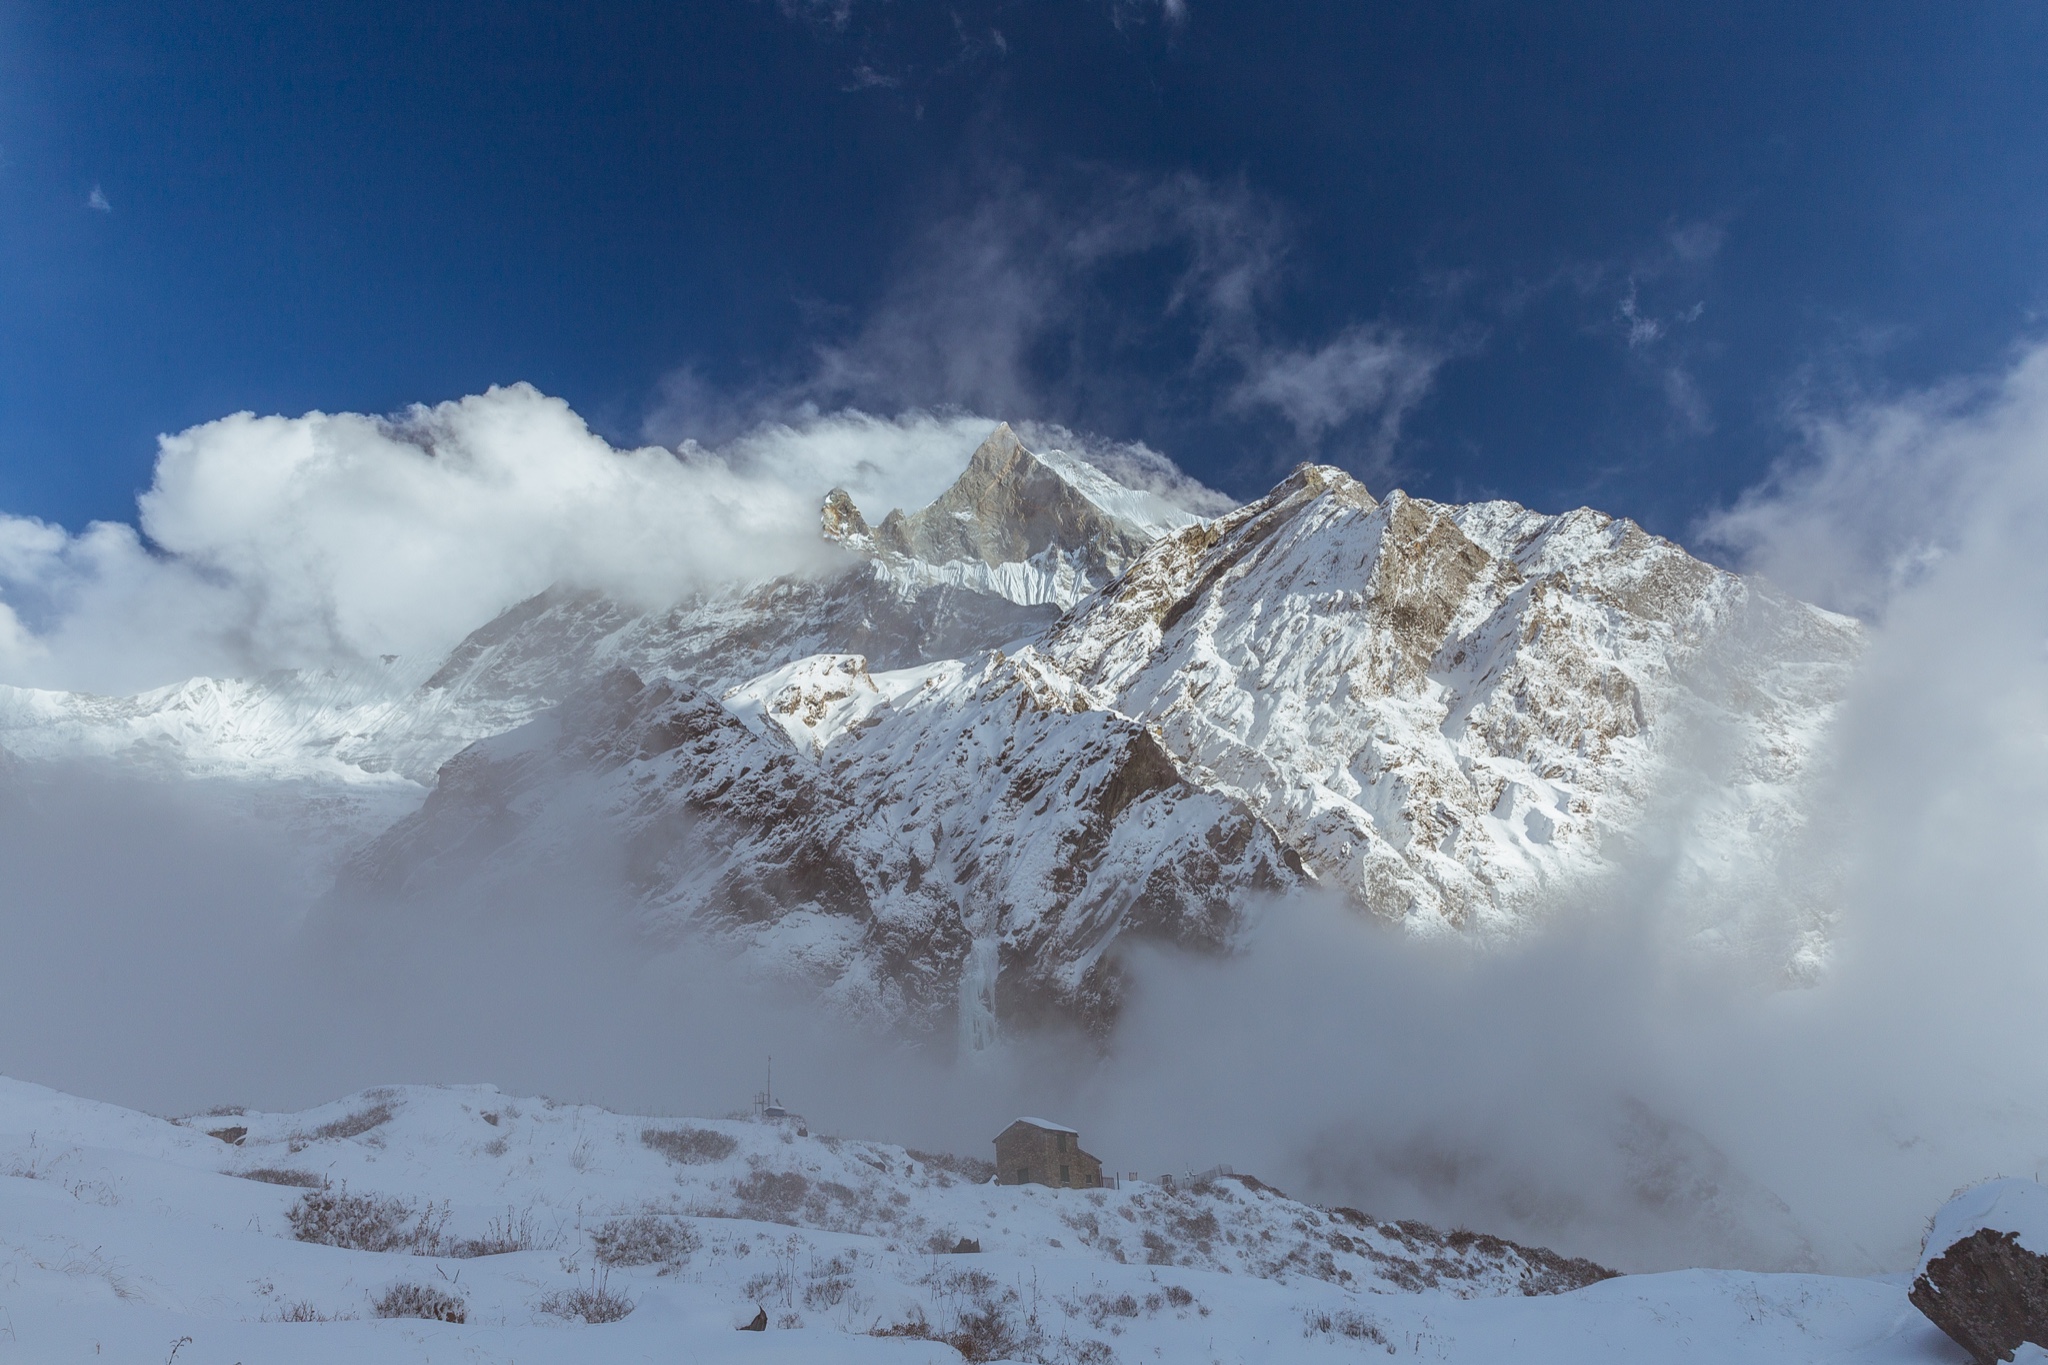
[[130, 1238]]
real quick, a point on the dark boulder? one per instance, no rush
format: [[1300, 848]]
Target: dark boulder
[[1980, 1280]]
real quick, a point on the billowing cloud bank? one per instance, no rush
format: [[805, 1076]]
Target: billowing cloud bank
[[275, 542]]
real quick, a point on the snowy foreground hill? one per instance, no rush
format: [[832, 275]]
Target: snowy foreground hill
[[130, 1238], [946, 779]]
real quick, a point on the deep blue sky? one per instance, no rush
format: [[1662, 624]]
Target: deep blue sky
[[365, 205]]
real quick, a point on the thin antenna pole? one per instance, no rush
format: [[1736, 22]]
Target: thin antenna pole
[[771, 1078]]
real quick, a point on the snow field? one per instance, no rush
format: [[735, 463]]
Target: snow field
[[121, 1235]]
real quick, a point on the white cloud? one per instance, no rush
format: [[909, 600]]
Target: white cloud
[[1882, 491], [1698, 241], [987, 292], [1173, 12], [280, 542], [1368, 370], [834, 13], [1642, 330], [1132, 464], [98, 200]]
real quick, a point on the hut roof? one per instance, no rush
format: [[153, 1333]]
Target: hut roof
[[1048, 1126]]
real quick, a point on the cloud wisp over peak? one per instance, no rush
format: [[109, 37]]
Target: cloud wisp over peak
[[334, 538]]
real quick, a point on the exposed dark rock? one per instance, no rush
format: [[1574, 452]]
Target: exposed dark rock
[[1988, 1293]]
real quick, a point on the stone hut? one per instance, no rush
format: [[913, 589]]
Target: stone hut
[[1034, 1152]]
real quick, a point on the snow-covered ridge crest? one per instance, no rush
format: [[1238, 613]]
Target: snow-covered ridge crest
[[825, 696], [1034, 527], [1443, 709]]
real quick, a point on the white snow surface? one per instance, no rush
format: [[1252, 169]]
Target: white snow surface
[[2003, 1205], [131, 1238], [1142, 511]]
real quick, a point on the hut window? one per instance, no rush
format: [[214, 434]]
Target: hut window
[[1063, 1175], [1023, 1175], [1063, 1141]]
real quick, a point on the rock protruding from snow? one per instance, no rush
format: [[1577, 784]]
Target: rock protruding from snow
[[812, 701], [1034, 528], [1011, 504], [1983, 1278]]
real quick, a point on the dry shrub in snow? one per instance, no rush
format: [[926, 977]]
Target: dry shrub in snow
[[277, 1175], [304, 1311], [988, 1331], [976, 1316], [829, 1285], [356, 1124], [1344, 1323], [513, 1232], [411, 1300], [982, 1332], [969, 1168], [643, 1239], [594, 1302], [366, 1222], [690, 1146], [771, 1196]]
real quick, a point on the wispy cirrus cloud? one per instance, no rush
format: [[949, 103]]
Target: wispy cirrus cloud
[[1044, 297], [1371, 369], [1001, 304]]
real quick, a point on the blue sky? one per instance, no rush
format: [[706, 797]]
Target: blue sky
[[1570, 254]]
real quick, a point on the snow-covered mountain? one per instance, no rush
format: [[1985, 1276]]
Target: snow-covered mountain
[[1047, 716]]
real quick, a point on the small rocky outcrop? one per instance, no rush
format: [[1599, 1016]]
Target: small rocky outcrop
[[1011, 506], [1983, 1278]]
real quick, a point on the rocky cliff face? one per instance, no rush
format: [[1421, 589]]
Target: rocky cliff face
[[1447, 710], [1445, 713], [945, 846], [1012, 506]]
